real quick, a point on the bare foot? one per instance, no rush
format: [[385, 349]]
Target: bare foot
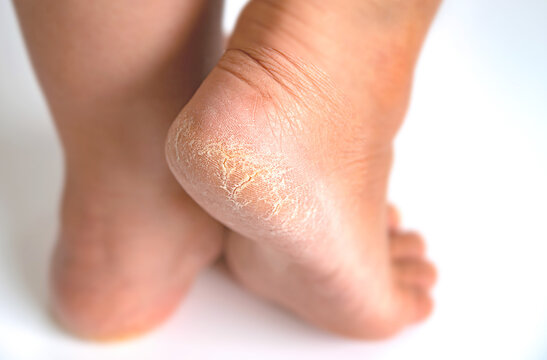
[[115, 74], [289, 142]]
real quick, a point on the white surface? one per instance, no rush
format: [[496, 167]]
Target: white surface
[[470, 173]]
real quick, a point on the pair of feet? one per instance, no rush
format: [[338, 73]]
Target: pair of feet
[[282, 159]]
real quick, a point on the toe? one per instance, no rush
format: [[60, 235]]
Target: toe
[[393, 217], [418, 273], [416, 304], [407, 245]]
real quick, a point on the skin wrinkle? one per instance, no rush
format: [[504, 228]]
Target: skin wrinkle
[[294, 76]]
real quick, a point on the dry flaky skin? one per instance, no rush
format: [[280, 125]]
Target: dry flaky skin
[[258, 186]]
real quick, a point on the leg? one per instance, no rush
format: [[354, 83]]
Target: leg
[[289, 143], [115, 74]]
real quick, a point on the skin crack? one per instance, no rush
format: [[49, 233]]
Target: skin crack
[[237, 189], [256, 185]]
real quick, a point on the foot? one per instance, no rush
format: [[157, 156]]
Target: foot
[[288, 142], [130, 247], [131, 240]]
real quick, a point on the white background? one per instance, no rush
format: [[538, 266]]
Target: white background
[[470, 173]]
